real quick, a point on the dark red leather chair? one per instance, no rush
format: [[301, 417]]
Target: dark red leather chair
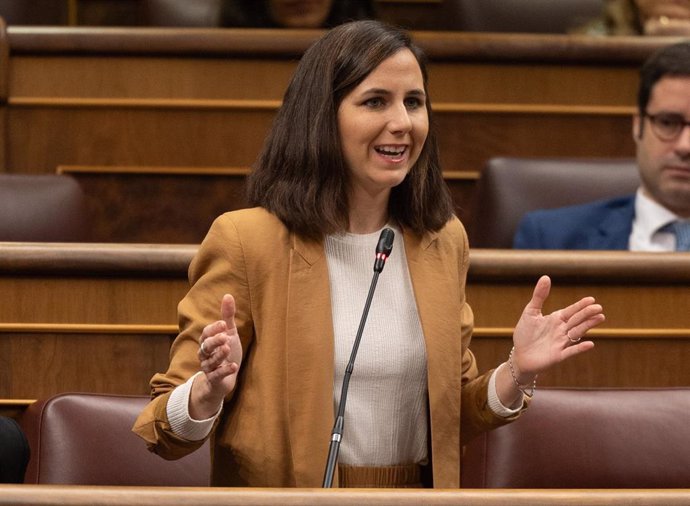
[[42, 208], [588, 438], [509, 187], [86, 439]]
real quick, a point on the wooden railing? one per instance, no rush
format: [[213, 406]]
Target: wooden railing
[[25, 495]]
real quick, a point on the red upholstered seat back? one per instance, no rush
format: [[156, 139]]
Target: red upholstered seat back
[[42, 208], [603, 438], [86, 439], [510, 187]]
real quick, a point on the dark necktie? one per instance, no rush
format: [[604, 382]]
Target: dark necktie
[[681, 229]]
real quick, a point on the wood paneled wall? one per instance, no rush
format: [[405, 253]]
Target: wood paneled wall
[[98, 317], [202, 98], [205, 98]]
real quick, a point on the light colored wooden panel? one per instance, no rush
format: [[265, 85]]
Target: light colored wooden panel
[[90, 299], [149, 77], [626, 305], [645, 341], [146, 103], [197, 86], [36, 365], [656, 361], [51, 495], [247, 79], [468, 139], [42, 139], [530, 83]]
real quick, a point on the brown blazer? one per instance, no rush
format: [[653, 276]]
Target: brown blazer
[[275, 428]]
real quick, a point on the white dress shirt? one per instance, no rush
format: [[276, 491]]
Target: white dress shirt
[[650, 216]]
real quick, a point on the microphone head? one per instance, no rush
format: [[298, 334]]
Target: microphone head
[[383, 248], [385, 244]]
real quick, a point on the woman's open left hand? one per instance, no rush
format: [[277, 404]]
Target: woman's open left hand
[[542, 341]]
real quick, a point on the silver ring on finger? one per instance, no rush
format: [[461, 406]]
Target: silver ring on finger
[[203, 349], [567, 334]]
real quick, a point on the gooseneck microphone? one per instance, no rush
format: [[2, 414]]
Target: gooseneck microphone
[[383, 251]]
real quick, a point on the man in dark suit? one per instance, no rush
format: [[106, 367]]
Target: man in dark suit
[[657, 216]]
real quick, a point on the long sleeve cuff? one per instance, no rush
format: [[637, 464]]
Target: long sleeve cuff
[[181, 423], [495, 403]]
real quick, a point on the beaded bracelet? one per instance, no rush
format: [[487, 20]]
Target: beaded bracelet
[[522, 388]]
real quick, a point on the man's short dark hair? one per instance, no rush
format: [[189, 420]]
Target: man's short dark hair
[[673, 60]]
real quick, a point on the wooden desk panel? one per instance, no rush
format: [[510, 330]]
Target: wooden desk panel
[[40, 362], [95, 312], [645, 340], [505, 80], [48, 495], [94, 318], [147, 74], [96, 299], [157, 204], [469, 137], [178, 204], [139, 134], [230, 133]]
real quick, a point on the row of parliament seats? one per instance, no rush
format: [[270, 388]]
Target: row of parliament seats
[[568, 438], [532, 16], [182, 108], [53, 207]]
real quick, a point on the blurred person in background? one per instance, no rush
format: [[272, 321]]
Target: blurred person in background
[[294, 13], [641, 17], [657, 216]]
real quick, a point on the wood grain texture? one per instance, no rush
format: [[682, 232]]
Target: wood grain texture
[[164, 97], [48, 495], [90, 309]]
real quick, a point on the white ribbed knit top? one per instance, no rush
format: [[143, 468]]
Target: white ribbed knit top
[[386, 411]]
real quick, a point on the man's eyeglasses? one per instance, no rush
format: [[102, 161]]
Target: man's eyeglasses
[[667, 127]]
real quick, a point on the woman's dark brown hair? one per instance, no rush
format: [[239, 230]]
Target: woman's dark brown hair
[[301, 175]]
